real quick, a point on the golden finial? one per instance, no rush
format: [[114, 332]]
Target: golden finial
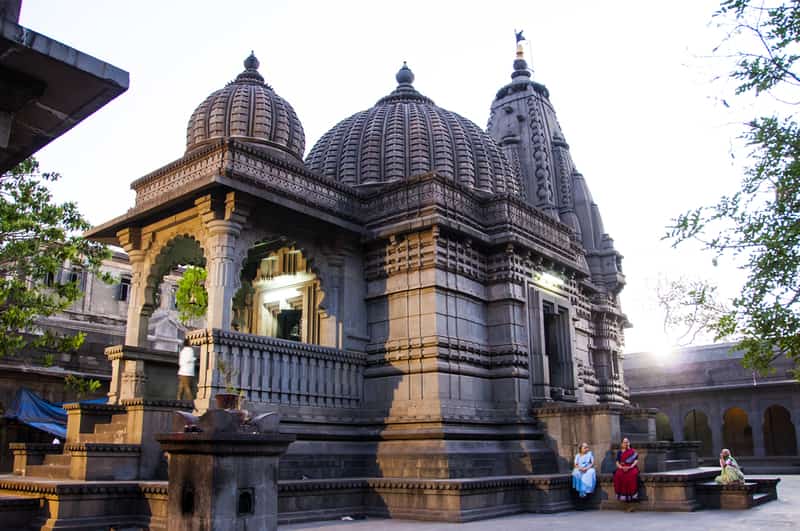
[[520, 38]]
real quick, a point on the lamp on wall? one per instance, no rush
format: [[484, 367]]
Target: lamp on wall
[[548, 279]]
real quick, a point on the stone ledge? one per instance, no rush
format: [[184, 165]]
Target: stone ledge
[[565, 409], [103, 448], [70, 487], [129, 352], [157, 404], [94, 408], [35, 448], [677, 476], [467, 484]]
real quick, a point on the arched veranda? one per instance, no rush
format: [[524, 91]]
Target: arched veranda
[[779, 433], [696, 428], [737, 434]]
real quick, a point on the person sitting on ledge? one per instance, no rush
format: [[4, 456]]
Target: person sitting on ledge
[[731, 473], [626, 476], [584, 477]]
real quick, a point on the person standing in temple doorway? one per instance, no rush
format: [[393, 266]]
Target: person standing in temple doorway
[[186, 361]]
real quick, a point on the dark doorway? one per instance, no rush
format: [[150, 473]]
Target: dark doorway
[[737, 434], [779, 434], [289, 324], [559, 352]]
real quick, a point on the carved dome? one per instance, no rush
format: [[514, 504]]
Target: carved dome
[[406, 134], [247, 109]]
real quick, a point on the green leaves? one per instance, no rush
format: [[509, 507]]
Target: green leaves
[[760, 224], [37, 239], [81, 386], [191, 298], [775, 31]]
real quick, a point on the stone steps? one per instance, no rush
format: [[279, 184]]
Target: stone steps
[[115, 437], [104, 461], [761, 497], [752, 492], [48, 471], [57, 459], [677, 464]]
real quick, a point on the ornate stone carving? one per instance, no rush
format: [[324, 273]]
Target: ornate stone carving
[[541, 157]]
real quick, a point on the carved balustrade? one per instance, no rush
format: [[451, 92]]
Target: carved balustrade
[[276, 371]]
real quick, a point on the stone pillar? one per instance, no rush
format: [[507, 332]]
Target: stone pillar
[[676, 423], [756, 420], [796, 433], [715, 419], [139, 308], [221, 478], [221, 281]]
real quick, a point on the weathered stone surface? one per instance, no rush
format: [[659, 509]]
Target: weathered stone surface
[[223, 479]]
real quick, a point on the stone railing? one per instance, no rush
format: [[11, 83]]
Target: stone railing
[[275, 371]]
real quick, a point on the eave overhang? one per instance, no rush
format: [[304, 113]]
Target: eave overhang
[[46, 88]]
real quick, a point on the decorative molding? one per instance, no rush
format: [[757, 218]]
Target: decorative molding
[[84, 447], [229, 338]]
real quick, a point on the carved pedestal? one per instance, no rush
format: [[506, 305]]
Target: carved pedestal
[[142, 373], [223, 480]]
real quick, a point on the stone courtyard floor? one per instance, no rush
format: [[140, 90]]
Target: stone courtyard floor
[[778, 515]]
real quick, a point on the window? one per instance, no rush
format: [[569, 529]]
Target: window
[[75, 276], [245, 505], [124, 289]]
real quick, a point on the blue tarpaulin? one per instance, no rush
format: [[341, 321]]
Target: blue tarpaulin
[[30, 408]]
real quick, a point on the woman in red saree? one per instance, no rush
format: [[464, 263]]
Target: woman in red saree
[[626, 476]]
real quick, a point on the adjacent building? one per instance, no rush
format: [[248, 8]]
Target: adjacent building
[[704, 394]]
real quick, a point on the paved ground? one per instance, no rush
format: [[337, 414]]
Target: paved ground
[[779, 515]]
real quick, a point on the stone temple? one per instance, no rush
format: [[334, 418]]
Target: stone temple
[[431, 307]]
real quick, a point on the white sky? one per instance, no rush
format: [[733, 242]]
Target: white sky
[[630, 81]]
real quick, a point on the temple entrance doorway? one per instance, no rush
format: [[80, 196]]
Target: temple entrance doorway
[[557, 346]]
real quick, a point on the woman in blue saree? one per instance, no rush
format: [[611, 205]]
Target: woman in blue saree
[[584, 477]]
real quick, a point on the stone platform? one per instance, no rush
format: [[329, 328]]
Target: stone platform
[[71, 504], [782, 514]]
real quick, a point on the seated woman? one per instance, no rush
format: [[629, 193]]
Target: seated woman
[[584, 477], [626, 476], [731, 473]]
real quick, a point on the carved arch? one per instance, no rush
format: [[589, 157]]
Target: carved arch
[[179, 249], [314, 255]]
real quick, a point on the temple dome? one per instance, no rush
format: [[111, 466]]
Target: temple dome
[[247, 109], [406, 134]]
